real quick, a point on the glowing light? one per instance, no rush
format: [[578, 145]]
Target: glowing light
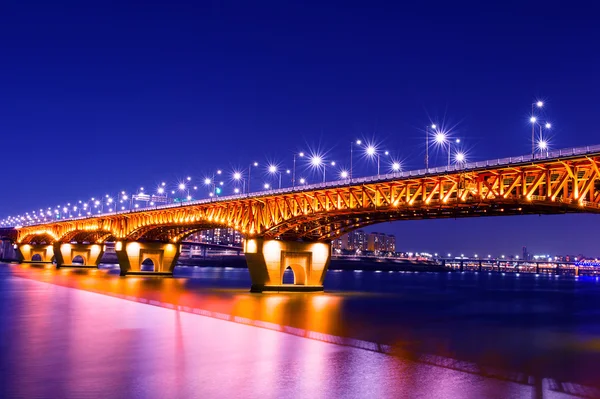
[[539, 104], [237, 175], [316, 160], [266, 185], [302, 180], [434, 126], [440, 138], [272, 169], [460, 157], [371, 150], [344, 174], [358, 142], [236, 190], [161, 190], [207, 181], [543, 144], [301, 154], [548, 125], [181, 186], [533, 119], [396, 166]]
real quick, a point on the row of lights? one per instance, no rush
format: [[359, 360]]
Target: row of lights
[[214, 184]]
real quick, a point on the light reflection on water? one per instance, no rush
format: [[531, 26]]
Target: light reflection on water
[[492, 334]]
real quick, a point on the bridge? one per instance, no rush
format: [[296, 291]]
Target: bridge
[[293, 227]]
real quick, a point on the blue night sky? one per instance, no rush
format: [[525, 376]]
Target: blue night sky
[[99, 97]]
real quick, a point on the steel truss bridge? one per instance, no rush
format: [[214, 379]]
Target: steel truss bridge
[[293, 227]]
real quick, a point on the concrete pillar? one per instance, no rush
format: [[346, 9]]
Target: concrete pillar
[[131, 255], [268, 259], [89, 253], [42, 253]]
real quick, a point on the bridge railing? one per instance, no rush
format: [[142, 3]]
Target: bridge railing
[[549, 155]]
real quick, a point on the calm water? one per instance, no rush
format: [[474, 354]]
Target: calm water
[[90, 333]]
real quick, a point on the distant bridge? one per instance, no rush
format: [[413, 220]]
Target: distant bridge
[[293, 227]]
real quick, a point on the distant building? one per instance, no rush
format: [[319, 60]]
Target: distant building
[[219, 236], [359, 240], [525, 254]]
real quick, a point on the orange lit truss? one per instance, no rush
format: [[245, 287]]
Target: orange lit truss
[[546, 186]]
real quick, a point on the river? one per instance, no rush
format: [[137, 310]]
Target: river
[[88, 333]]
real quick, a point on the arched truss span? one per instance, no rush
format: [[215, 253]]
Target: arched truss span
[[326, 226], [88, 236], [172, 233], [38, 239]]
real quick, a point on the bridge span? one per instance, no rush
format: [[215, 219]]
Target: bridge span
[[293, 227]]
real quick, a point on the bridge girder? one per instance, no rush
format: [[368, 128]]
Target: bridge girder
[[543, 187]]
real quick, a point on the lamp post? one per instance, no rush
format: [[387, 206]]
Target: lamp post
[[543, 146], [433, 126], [441, 138], [371, 151], [357, 142], [237, 176], [255, 164], [541, 141], [273, 170], [533, 120], [301, 155], [317, 162]]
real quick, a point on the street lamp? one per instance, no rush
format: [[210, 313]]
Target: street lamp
[[460, 157], [533, 120], [543, 146], [301, 155], [318, 162], [441, 138], [541, 140], [433, 126], [273, 170], [352, 143], [183, 188], [237, 176], [255, 164]]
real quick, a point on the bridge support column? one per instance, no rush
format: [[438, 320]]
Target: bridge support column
[[35, 253], [131, 255], [268, 259], [90, 254]]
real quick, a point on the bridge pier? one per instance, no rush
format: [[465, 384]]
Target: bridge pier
[[131, 255], [42, 253], [268, 259], [89, 253]]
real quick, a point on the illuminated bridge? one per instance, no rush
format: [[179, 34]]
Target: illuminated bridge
[[293, 227]]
